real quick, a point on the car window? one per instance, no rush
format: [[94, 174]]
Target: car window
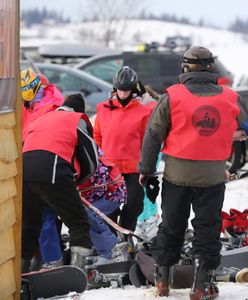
[[68, 82], [144, 66], [104, 69], [148, 67]]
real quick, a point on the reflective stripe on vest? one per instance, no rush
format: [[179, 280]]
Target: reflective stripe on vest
[[201, 126]]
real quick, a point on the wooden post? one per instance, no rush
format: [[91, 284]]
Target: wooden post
[[10, 151]]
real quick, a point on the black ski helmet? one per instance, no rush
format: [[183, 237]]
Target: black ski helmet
[[197, 59], [125, 79]]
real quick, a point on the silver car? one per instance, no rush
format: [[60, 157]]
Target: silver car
[[71, 81]]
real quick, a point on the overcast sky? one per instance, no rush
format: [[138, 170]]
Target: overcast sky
[[216, 12]]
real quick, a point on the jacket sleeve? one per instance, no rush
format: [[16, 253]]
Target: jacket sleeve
[[97, 132], [243, 114], [156, 131], [86, 153]]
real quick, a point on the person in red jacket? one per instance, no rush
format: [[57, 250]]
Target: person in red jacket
[[118, 130], [58, 154], [39, 97]]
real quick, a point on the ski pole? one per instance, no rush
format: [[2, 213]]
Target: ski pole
[[109, 221]]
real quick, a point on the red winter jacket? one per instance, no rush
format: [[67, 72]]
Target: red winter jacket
[[119, 131]]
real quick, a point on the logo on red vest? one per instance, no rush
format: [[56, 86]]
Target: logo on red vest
[[206, 120]]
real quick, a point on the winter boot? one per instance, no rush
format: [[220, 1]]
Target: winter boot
[[26, 265], [96, 280], [163, 280], [203, 287], [53, 264], [79, 256], [231, 274]]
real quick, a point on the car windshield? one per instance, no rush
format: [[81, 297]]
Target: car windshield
[[105, 69]]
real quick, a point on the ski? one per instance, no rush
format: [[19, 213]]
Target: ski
[[109, 221]]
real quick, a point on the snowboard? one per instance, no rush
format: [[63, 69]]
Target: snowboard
[[136, 276], [235, 258], [53, 282], [114, 274], [143, 272]]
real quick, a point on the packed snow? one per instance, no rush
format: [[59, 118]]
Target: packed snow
[[232, 50]]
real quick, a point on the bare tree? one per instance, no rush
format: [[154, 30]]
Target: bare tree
[[113, 15]]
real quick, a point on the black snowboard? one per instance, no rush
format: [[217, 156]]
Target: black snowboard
[[183, 275], [136, 277], [143, 272], [53, 282]]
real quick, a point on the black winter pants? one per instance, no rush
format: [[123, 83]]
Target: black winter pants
[[176, 203], [65, 201], [135, 201]]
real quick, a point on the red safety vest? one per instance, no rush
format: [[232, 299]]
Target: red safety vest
[[201, 126], [55, 132]]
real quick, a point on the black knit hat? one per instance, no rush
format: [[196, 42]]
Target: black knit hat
[[75, 101]]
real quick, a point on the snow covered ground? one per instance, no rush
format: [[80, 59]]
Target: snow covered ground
[[228, 291]]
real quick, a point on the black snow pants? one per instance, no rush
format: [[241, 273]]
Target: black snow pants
[[135, 201], [176, 203], [66, 202]]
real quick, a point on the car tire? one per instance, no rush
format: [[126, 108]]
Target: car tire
[[237, 160]]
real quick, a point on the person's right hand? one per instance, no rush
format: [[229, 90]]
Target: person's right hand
[[142, 179]]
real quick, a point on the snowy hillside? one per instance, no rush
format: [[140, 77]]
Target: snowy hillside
[[232, 48]]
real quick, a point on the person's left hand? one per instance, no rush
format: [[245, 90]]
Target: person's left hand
[[239, 135]]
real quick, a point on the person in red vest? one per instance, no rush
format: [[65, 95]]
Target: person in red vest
[[118, 130], [58, 154], [39, 97], [194, 122]]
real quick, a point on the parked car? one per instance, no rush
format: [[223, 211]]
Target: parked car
[[69, 81], [159, 69], [69, 53]]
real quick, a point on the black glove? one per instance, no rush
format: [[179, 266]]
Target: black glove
[[152, 188], [139, 89]]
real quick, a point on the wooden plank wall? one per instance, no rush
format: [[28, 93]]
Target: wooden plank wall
[[10, 175], [10, 206]]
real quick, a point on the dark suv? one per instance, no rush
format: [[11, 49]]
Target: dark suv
[[159, 69]]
